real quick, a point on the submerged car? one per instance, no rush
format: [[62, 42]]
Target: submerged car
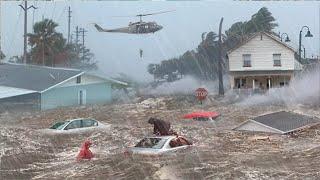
[[76, 124], [159, 145]]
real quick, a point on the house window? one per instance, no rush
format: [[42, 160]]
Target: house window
[[78, 79], [276, 59], [246, 60]]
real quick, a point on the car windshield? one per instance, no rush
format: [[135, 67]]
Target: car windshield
[[58, 125], [155, 143]]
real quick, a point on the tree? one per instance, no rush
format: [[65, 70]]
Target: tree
[[80, 57], [262, 21], [49, 48], [46, 44], [240, 31], [203, 62]]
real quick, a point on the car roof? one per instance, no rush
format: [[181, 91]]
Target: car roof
[[69, 120], [161, 137]]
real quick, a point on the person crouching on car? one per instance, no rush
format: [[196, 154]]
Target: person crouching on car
[[161, 127]]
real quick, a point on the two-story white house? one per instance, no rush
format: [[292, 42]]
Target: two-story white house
[[262, 62]]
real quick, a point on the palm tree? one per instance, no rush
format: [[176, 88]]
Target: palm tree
[[46, 43], [262, 21], [203, 62]]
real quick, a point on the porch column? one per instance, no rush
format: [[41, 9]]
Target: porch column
[[232, 81], [253, 84], [269, 83]]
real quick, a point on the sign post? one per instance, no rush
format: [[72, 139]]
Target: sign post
[[201, 94]]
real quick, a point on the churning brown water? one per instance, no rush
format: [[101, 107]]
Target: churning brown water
[[29, 152]]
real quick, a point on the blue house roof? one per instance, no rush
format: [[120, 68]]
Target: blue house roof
[[37, 78]]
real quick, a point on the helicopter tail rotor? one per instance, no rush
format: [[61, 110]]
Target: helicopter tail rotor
[[99, 28]]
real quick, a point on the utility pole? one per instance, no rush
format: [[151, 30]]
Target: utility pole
[[33, 20], [77, 40], [221, 90], [69, 19], [25, 9], [71, 38], [0, 34], [77, 35], [2, 56], [82, 31]]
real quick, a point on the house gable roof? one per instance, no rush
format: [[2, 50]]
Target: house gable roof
[[251, 125], [36, 78], [10, 92], [104, 77], [40, 78], [276, 39]]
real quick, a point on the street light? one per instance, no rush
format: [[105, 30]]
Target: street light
[[300, 36], [287, 38], [304, 51]]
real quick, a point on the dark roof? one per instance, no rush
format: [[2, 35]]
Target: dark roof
[[285, 121], [37, 78]]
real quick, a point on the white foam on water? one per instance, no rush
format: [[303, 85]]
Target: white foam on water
[[302, 90]]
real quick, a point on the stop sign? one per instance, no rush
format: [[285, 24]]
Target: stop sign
[[201, 93]]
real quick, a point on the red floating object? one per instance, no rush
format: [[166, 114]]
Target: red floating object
[[201, 114], [85, 152]]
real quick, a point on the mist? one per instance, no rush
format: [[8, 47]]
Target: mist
[[185, 86], [303, 89], [119, 53]]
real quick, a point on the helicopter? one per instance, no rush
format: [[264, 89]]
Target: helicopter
[[139, 27]]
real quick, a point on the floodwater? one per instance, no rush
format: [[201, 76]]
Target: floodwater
[[29, 152]]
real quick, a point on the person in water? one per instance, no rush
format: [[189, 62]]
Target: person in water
[[85, 152]]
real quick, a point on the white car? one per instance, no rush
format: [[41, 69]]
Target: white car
[[159, 145], [82, 123]]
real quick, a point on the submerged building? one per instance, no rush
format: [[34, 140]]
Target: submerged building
[[282, 122], [29, 87], [262, 62]]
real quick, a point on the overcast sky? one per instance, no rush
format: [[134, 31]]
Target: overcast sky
[[182, 28]]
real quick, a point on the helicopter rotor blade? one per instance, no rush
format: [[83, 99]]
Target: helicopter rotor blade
[[123, 16], [149, 14]]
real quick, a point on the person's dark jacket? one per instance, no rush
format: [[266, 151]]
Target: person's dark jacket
[[161, 127]]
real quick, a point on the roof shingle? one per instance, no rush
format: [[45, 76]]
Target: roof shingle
[[36, 78], [285, 121]]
